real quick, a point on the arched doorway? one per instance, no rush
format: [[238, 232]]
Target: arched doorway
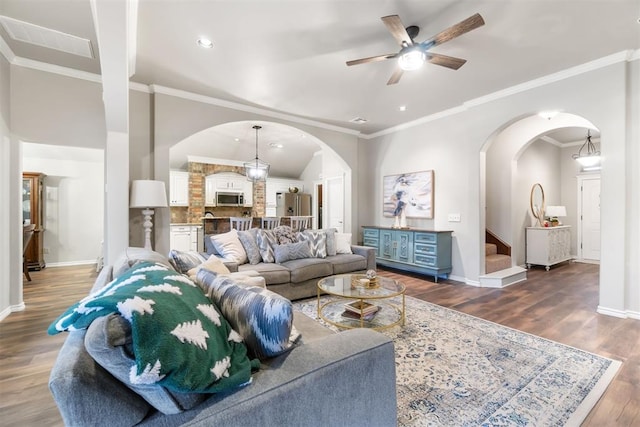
[[510, 166]]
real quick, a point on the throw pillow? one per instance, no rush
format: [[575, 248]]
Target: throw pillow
[[229, 246], [343, 243], [266, 241], [331, 240], [263, 318], [249, 240], [180, 339], [109, 342], [285, 234], [214, 264], [183, 261], [208, 245], [291, 251], [317, 241]]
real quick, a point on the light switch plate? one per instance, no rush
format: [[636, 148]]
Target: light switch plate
[[454, 217]]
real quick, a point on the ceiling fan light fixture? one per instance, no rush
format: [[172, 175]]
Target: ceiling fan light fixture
[[256, 170], [411, 59], [592, 157]]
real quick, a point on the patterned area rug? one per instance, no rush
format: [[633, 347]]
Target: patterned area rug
[[454, 369]]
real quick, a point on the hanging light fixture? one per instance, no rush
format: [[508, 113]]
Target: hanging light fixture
[[591, 157], [256, 170]]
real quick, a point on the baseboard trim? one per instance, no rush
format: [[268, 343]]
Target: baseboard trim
[[622, 314], [7, 311], [71, 263]]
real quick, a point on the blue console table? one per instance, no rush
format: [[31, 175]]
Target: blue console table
[[419, 251]]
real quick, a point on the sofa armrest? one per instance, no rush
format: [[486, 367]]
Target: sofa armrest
[[232, 266], [368, 252], [356, 368]]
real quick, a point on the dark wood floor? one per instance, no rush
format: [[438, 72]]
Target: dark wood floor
[[558, 305]]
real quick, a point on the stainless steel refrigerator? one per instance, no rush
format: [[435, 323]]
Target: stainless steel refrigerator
[[293, 204]]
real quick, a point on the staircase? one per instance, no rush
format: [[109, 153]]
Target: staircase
[[498, 269]]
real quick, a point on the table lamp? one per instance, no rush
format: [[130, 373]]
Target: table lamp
[[553, 212], [148, 194]]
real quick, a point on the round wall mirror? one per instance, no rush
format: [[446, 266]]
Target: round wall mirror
[[536, 202]]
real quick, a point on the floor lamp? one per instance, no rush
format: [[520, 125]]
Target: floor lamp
[[147, 195]]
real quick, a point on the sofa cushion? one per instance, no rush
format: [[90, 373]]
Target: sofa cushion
[[289, 251], [180, 339], [208, 245], [273, 273], [133, 255], [214, 264], [308, 268], [317, 241], [249, 240], [229, 246], [331, 240], [109, 342], [183, 261], [263, 318], [347, 263], [266, 241], [343, 243], [285, 234]]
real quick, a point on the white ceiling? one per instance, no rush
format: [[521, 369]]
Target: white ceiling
[[289, 56]]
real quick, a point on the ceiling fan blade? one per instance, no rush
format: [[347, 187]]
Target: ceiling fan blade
[[395, 77], [397, 30], [471, 23], [446, 61], [372, 59]]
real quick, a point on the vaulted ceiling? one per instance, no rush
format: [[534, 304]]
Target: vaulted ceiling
[[289, 56]]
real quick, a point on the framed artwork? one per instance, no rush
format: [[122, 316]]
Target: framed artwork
[[411, 192]]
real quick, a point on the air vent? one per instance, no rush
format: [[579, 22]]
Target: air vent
[[46, 37], [359, 120]]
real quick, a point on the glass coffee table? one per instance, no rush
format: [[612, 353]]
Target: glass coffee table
[[379, 307]]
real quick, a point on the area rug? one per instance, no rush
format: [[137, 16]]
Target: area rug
[[454, 369]]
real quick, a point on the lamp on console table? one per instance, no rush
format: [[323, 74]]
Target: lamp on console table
[[553, 212], [147, 195]]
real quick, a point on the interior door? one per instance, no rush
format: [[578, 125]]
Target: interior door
[[590, 218], [334, 206]]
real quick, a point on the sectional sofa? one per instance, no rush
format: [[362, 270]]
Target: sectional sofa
[[323, 379]]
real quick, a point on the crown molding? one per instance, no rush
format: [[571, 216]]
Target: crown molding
[[214, 161], [248, 109], [57, 69], [623, 56]]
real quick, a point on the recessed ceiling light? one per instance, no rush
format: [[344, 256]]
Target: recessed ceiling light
[[358, 120], [276, 145], [205, 43], [402, 108]]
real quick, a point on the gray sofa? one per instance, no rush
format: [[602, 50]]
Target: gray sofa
[[327, 379], [298, 278]]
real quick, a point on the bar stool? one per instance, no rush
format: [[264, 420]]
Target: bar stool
[[270, 222], [241, 223], [300, 223]]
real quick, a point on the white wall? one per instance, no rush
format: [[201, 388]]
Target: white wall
[[451, 145], [74, 201]]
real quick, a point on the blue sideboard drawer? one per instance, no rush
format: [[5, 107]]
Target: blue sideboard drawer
[[425, 238], [370, 242], [424, 260], [422, 248]]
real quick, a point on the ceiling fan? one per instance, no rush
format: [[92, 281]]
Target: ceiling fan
[[412, 55]]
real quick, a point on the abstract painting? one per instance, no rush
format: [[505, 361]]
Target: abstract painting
[[411, 192]]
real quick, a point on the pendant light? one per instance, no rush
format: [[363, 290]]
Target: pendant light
[[256, 170], [591, 157]]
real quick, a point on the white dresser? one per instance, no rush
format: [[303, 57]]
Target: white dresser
[[548, 245]]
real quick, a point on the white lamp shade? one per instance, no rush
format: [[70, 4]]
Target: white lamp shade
[[146, 193], [556, 211]]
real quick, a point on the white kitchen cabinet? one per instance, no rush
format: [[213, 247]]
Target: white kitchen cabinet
[[226, 181], [179, 188], [185, 237], [210, 190], [548, 245], [229, 182], [248, 193]]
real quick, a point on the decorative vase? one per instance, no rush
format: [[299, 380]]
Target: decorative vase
[[403, 220], [396, 224]]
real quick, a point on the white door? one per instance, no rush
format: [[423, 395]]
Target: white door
[[334, 206], [590, 218]]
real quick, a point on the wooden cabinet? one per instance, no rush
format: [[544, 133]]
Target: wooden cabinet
[[418, 251], [230, 181], [33, 213], [179, 188], [548, 245], [227, 182]]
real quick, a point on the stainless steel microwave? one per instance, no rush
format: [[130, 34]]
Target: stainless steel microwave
[[229, 199]]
